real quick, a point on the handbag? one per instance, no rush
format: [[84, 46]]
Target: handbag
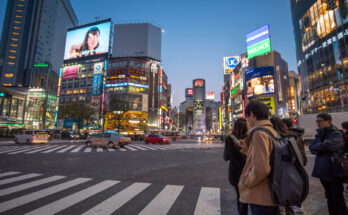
[[340, 166]]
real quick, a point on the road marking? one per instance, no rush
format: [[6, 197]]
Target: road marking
[[162, 203], [18, 178], [8, 174], [75, 198], [10, 149], [77, 149], [122, 149], [66, 149], [116, 201], [111, 149], [139, 147], [28, 185], [208, 202], [156, 147], [13, 203], [54, 149], [99, 149], [148, 147], [39, 150], [130, 148], [88, 149], [16, 151]]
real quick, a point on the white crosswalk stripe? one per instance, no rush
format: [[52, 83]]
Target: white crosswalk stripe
[[39, 150], [116, 201], [66, 149], [19, 150], [208, 202], [18, 178], [161, 204], [13, 203], [77, 149], [99, 149], [139, 147], [68, 201], [28, 185], [8, 174], [54, 149], [111, 149], [130, 148], [88, 149], [148, 147]]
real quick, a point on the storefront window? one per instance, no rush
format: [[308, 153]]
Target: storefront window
[[14, 108]]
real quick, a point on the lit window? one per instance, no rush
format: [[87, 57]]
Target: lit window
[[13, 51], [76, 91], [10, 63], [68, 92], [19, 11], [20, 5], [82, 90], [18, 22], [18, 16], [16, 27], [14, 39], [15, 33], [8, 75], [12, 57], [7, 85]]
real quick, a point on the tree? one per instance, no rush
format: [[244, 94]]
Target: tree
[[77, 111], [118, 108]]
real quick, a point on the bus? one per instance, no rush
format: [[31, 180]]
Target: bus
[[173, 135]]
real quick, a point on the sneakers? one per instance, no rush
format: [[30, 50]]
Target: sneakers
[[298, 210]]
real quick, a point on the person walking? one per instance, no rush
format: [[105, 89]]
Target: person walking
[[328, 141], [237, 159], [297, 133], [254, 185], [345, 135]]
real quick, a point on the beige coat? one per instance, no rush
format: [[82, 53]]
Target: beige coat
[[254, 187]]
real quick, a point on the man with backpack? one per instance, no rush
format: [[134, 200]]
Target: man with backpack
[[254, 185], [328, 142]]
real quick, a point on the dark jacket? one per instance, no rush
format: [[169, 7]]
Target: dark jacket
[[328, 141], [297, 133], [345, 137], [237, 161]]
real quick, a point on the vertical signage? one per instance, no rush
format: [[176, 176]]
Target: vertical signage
[[97, 79]]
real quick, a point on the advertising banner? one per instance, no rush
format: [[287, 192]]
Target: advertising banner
[[97, 79], [210, 96], [229, 63], [260, 81], [258, 42], [235, 91], [189, 92], [88, 40], [70, 72], [198, 105], [269, 101], [198, 83]]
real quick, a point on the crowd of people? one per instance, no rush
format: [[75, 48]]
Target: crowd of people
[[249, 153]]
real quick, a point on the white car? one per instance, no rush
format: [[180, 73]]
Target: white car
[[32, 136], [110, 140]]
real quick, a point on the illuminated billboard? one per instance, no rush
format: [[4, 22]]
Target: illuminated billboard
[[260, 81], [229, 63], [189, 92], [198, 105], [198, 83], [70, 72], [269, 101], [258, 42], [210, 96], [92, 39]]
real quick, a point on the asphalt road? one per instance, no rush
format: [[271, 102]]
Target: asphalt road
[[185, 177]]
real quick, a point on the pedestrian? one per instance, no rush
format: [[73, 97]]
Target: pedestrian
[[297, 133], [254, 185], [236, 158], [345, 134], [328, 141]]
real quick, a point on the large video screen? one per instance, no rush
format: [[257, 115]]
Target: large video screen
[[321, 19], [258, 42], [87, 41], [260, 81]]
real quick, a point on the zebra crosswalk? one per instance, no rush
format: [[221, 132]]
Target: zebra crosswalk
[[54, 194], [60, 149]]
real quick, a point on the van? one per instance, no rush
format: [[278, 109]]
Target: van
[[32, 136]]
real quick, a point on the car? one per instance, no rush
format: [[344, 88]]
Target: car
[[208, 138], [32, 136], [110, 140], [157, 138]]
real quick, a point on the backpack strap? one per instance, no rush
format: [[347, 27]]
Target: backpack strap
[[267, 131]]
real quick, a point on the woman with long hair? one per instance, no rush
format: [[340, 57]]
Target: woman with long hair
[[89, 46], [236, 158]]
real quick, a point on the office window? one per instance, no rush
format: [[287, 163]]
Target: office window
[[15, 33], [18, 22], [14, 39], [18, 16], [12, 57], [16, 27], [10, 63], [13, 45], [19, 11]]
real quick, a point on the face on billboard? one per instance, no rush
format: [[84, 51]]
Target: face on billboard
[[86, 41], [198, 83], [258, 42], [320, 20], [260, 81], [70, 72]]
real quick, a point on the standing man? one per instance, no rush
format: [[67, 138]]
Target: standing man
[[254, 186], [328, 141]]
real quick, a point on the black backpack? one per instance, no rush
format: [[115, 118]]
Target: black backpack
[[288, 178]]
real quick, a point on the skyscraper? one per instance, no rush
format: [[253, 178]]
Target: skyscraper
[[34, 31]]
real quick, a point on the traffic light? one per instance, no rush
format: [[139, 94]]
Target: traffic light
[[2, 94]]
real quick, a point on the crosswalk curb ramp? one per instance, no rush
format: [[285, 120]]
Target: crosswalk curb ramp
[[81, 148], [57, 189]]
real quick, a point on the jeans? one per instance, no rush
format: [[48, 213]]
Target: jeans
[[264, 210], [242, 207], [335, 199]]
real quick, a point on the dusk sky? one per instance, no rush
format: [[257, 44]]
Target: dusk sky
[[197, 33]]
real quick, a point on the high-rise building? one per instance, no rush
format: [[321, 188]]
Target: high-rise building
[[321, 36], [34, 31]]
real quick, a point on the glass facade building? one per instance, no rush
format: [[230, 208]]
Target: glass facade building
[[321, 38]]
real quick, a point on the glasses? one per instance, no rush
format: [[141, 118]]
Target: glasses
[[319, 121]]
